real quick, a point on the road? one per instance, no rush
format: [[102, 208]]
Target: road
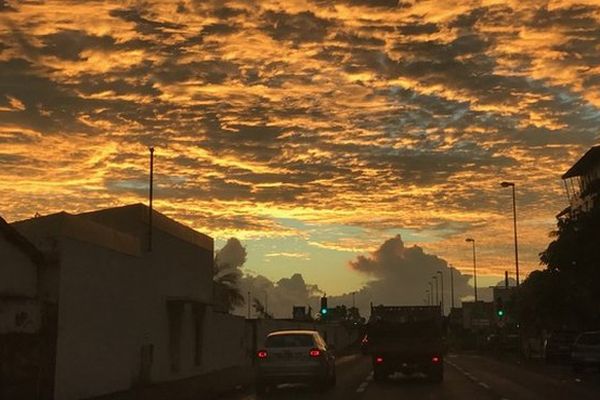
[[469, 377]]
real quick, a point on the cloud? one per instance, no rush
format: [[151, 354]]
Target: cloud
[[231, 256], [368, 114], [302, 27], [401, 274]]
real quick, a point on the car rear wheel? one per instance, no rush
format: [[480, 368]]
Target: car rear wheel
[[333, 379]]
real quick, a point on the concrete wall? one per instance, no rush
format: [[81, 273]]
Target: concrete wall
[[18, 276], [225, 342], [114, 325]]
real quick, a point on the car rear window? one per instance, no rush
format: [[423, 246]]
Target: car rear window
[[589, 338], [291, 340]]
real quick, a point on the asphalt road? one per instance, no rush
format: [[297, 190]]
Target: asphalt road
[[466, 377]]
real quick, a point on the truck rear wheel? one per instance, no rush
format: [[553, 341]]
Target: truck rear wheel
[[436, 376], [378, 375]]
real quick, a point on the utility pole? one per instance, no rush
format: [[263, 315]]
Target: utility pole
[[150, 195], [474, 267], [452, 285], [248, 304], [514, 199], [442, 292], [437, 297], [266, 303]]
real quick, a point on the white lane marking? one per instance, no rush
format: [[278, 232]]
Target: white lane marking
[[471, 377], [363, 386]]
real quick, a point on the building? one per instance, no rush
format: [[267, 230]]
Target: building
[[582, 184], [107, 311], [478, 315]]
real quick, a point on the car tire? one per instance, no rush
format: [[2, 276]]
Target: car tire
[[333, 379]]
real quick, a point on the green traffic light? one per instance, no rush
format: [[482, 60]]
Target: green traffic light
[[500, 313], [324, 311]]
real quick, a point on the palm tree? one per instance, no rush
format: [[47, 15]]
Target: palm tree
[[227, 288]]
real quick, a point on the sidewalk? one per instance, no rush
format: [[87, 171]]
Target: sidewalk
[[212, 385], [560, 371]]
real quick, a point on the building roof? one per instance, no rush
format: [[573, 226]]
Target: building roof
[[133, 219], [63, 224], [585, 163], [13, 236], [123, 229]]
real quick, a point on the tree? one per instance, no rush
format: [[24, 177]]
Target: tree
[[567, 292], [227, 274], [261, 310]]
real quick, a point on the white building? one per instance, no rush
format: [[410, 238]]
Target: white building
[[109, 313]]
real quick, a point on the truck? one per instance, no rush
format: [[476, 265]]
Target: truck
[[406, 339]]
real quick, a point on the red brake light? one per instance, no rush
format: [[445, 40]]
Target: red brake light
[[435, 359], [262, 354], [379, 360], [315, 352]]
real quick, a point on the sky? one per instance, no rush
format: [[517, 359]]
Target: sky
[[313, 131]]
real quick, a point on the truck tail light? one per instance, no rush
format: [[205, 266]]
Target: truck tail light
[[262, 354], [315, 353]]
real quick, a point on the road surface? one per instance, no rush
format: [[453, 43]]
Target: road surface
[[468, 377]]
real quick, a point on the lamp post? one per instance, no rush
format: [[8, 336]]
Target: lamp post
[[428, 297], [437, 297], [442, 291], [430, 292], [474, 267], [512, 185]]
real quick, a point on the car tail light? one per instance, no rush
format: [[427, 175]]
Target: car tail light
[[262, 354], [315, 353], [379, 360], [436, 359]]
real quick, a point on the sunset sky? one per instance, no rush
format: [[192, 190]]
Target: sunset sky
[[311, 130]]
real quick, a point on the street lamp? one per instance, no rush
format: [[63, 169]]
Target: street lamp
[[512, 185], [474, 266], [430, 292], [442, 292], [437, 297]]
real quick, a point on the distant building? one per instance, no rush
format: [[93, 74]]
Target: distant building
[[86, 309], [478, 315], [582, 184]]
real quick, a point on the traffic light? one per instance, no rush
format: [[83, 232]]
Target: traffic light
[[323, 305], [500, 312]]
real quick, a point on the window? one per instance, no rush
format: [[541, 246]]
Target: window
[[175, 315], [199, 312], [291, 340]]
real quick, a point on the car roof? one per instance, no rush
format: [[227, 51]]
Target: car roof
[[293, 332]]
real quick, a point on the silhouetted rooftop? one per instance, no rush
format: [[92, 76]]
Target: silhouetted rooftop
[[585, 163], [13, 236]]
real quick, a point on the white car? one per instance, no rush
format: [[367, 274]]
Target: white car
[[295, 356], [586, 351]]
